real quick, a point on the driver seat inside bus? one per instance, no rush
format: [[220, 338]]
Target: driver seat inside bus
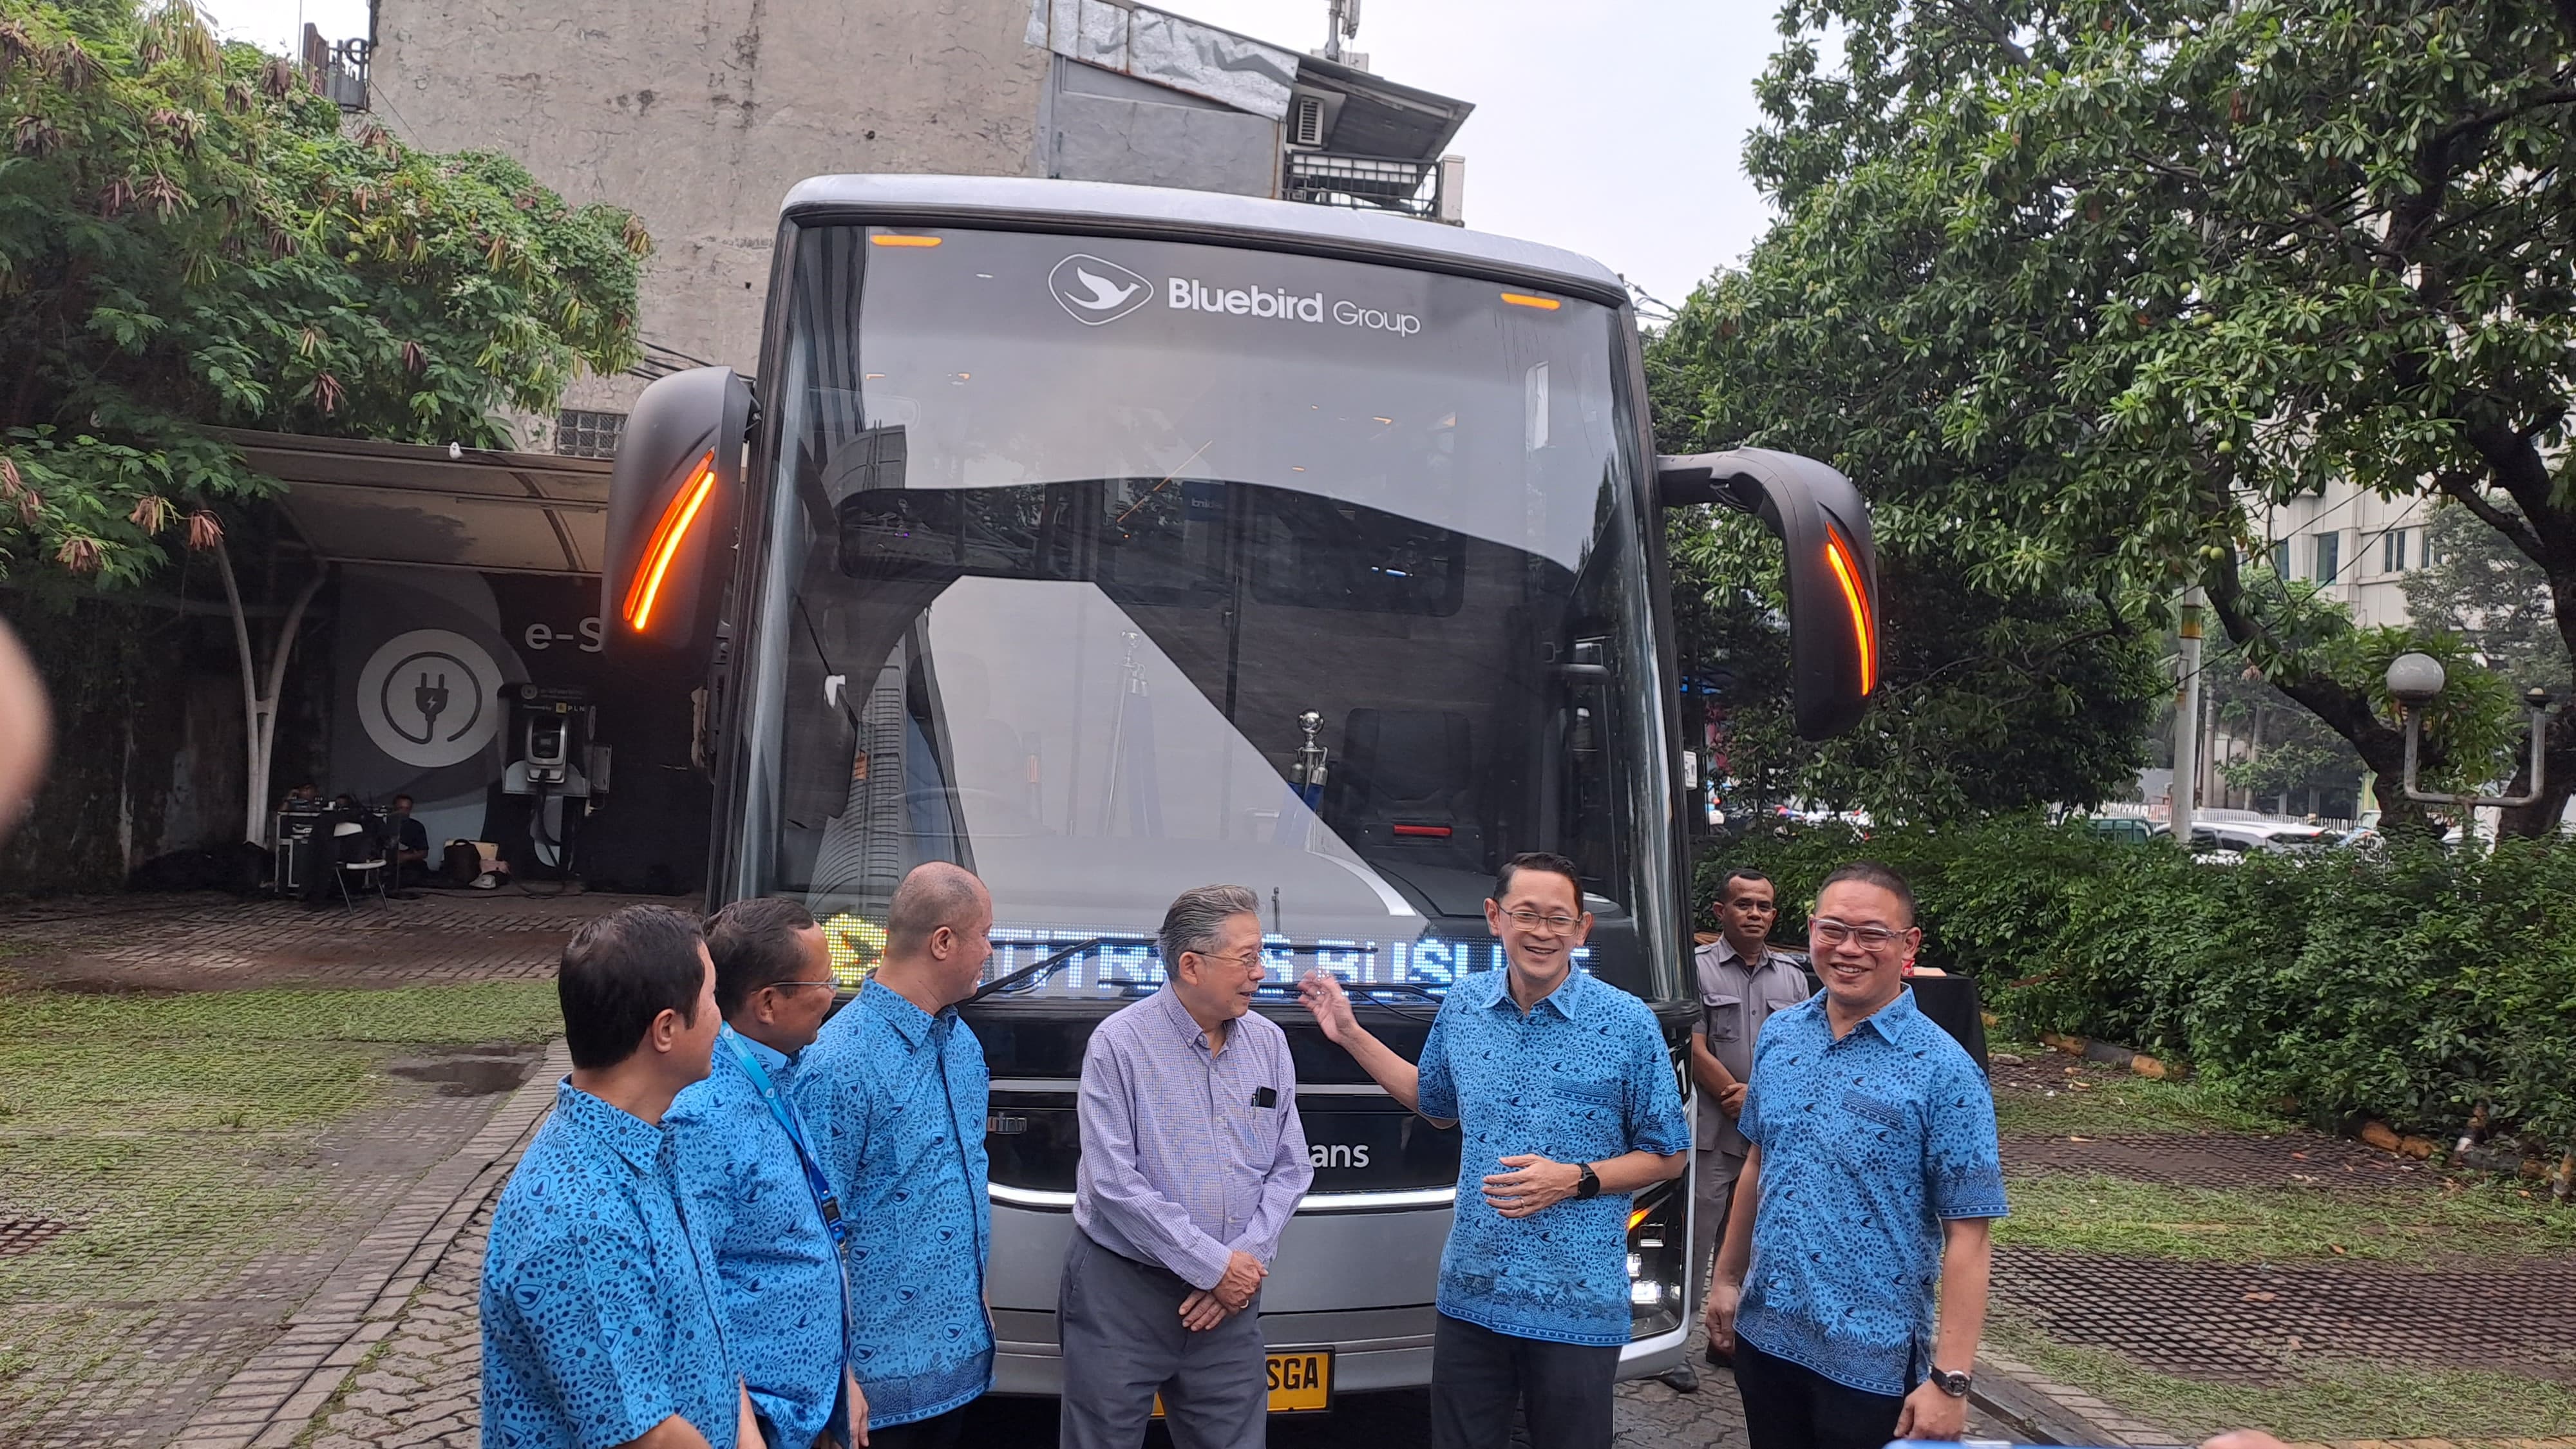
[[1406, 787]]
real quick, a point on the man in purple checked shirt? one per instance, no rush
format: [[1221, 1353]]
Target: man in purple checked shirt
[[1192, 1160]]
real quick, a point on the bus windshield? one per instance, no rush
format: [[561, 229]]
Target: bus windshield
[[1108, 568]]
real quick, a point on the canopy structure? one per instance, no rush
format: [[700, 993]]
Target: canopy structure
[[358, 501]]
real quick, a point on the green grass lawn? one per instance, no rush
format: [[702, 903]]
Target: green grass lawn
[[2098, 1213], [2109, 1101], [177, 1133]]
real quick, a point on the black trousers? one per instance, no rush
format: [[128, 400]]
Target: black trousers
[[1791, 1406], [939, 1431], [1479, 1376]]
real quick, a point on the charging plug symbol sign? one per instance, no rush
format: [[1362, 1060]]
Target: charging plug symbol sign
[[430, 698]]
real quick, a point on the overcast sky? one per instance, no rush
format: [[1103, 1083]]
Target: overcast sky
[[1613, 127]]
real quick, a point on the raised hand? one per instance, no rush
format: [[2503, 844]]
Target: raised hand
[[1323, 995]]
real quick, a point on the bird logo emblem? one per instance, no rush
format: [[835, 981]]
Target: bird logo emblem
[[1093, 290]]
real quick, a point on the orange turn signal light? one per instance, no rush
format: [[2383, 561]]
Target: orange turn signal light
[[1855, 598], [668, 535], [890, 239], [1524, 299], [1635, 1218]]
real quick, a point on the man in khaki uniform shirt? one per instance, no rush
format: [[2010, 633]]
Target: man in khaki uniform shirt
[[1742, 980]]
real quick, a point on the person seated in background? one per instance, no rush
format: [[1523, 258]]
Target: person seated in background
[[407, 844], [307, 796]]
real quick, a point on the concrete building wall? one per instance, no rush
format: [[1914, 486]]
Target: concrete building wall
[[2368, 572], [700, 115], [1103, 126]]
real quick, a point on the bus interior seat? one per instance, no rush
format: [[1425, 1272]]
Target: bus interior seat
[[1405, 787]]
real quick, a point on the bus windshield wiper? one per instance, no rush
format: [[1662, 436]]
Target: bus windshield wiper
[[1032, 974]]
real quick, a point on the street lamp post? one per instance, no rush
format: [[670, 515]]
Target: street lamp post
[[2415, 680]]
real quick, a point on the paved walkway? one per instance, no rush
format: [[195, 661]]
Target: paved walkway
[[207, 942]]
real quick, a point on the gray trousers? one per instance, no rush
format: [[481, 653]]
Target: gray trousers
[[1120, 1323], [1713, 1195]]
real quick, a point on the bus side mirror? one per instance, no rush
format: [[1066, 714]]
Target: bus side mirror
[[1832, 568], [673, 497]]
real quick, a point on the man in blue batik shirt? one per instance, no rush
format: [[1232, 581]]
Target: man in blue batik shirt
[[599, 1310], [755, 1185], [895, 1089], [1565, 1098], [1873, 1174]]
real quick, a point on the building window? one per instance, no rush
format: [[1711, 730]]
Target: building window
[[2392, 551], [2329, 557], [2281, 559], [582, 434]]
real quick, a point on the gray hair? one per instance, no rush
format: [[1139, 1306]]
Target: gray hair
[[1192, 922]]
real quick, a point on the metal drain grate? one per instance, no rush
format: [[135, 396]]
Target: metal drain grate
[[2242, 1322], [2291, 1160], [21, 1236]]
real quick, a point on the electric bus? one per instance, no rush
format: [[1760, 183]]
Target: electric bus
[[1109, 541]]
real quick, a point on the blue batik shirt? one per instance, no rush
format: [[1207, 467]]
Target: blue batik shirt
[[895, 1098], [1868, 1145], [778, 1276], [599, 1312], [1583, 1077]]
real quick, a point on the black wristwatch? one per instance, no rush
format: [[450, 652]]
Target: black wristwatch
[[1589, 1185], [1953, 1384]]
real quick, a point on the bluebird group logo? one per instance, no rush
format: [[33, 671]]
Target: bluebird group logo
[[1093, 290]]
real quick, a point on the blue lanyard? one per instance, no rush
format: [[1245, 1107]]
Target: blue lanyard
[[824, 1202]]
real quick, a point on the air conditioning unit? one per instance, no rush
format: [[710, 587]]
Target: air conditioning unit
[[1307, 128]]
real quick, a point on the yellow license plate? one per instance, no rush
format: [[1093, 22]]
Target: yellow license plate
[[1301, 1381]]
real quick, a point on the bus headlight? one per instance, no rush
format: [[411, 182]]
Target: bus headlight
[[1658, 1257]]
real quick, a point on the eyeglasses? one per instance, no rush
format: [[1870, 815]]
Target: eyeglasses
[[792, 985], [1245, 961], [1530, 920], [1833, 933]]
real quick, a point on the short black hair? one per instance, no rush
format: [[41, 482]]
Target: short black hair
[[620, 972], [1736, 873], [1870, 872], [754, 945], [402, 800], [1538, 860]]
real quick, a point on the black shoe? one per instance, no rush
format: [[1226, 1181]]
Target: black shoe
[[1717, 1356], [1681, 1378]]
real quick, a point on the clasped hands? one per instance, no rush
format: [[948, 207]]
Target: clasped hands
[[1208, 1307], [1532, 1185]]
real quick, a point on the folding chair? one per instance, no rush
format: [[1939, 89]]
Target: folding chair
[[354, 849]]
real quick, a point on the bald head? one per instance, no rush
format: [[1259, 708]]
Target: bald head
[[938, 936], [933, 895]]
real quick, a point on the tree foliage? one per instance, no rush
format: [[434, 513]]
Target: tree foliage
[[1987, 702], [188, 237], [2070, 282], [2478, 586]]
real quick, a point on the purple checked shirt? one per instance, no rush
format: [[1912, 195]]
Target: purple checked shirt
[[1180, 1164]]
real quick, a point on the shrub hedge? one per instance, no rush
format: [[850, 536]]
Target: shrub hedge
[[2406, 983]]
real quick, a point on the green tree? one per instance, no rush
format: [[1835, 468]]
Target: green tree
[[188, 238], [2479, 586], [1987, 704], [2068, 284]]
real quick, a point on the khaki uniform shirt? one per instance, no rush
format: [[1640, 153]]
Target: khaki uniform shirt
[[1735, 1000]]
